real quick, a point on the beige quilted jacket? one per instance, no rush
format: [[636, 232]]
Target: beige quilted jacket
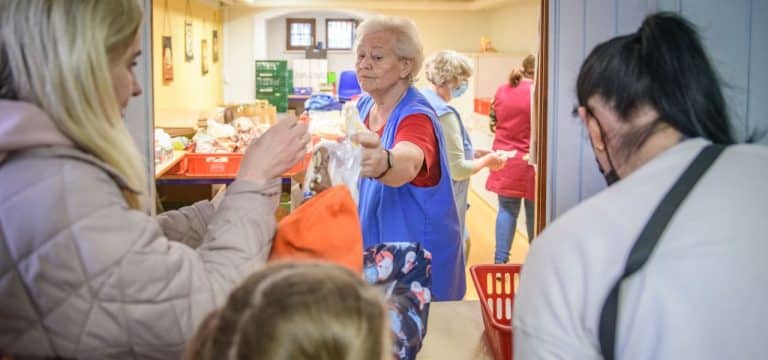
[[82, 275]]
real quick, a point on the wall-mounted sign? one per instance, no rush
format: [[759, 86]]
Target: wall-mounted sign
[[189, 52], [204, 56], [215, 46], [167, 59]]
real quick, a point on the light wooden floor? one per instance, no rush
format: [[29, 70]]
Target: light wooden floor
[[481, 222]]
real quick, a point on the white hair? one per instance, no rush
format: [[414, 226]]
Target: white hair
[[407, 40], [447, 65]]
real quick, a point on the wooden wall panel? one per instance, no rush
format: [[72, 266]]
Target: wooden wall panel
[[575, 28], [757, 86], [725, 31]]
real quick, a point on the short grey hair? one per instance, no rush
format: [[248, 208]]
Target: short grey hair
[[447, 65], [407, 40]]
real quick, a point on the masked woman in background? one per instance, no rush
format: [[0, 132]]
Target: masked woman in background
[[405, 192], [448, 73], [84, 271]]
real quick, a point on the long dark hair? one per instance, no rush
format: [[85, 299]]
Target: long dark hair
[[662, 65]]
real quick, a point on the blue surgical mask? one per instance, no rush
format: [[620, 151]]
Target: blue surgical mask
[[459, 90]]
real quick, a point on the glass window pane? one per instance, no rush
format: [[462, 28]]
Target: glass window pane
[[340, 34], [301, 34]]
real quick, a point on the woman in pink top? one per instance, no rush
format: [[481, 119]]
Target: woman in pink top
[[514, 183]]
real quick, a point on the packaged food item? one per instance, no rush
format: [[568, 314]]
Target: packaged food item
[[180, 142], [204, 143], [353, 124], [326, 124], [163, 146], [284, 207], [506, 154]]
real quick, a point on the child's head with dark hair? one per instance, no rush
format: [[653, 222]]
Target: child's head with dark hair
[[294, 311]]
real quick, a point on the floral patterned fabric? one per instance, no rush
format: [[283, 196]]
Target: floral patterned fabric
[[404, 270]]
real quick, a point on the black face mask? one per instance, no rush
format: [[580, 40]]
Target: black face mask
[[611, 177]]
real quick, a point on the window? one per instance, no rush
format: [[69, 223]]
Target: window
[[340, 33], [300, 34]]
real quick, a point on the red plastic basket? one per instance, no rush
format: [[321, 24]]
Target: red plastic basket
[[496, 286]]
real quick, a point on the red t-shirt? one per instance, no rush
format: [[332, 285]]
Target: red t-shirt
[[417, 129]]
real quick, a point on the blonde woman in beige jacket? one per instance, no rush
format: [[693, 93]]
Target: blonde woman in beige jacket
[[84, 271]]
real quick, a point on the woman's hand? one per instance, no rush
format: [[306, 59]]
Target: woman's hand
[[274, 152], [406, 159], [374, 158], [481, 152], [494, 161]]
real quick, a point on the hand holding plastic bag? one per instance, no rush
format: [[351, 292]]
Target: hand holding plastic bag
[[336, 162]]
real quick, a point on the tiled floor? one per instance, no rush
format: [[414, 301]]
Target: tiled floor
[[481, 222]]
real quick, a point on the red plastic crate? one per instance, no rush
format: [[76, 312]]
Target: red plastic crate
[[179, 169], [226, 164], [482, 106], [299, 166], [496, 286]]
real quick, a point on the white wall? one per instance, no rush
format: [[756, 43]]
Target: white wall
[[734, 33], [238, 55], [338, 60], [515, 27]]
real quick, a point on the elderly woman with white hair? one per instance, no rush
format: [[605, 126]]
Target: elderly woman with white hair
[[448, 72], [405, 189]]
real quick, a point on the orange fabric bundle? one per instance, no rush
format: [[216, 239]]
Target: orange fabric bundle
[[326, 227]]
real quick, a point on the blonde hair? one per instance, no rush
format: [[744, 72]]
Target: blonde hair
[[406, 38], [447, 65], [295, 311], [58, 58]]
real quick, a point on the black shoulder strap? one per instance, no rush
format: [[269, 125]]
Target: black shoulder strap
[[647, 240]]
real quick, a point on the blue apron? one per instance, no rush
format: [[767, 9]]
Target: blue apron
[[460, 187], [408, 213]]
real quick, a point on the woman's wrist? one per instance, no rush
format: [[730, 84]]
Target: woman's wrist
[[389, 164]]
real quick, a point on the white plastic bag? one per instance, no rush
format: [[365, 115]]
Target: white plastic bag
[[341, 159]]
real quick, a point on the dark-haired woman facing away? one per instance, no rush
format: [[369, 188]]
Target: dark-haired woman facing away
[[651, 101]]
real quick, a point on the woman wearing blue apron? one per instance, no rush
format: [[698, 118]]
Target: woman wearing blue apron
[[406, 193], [447, 73]]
